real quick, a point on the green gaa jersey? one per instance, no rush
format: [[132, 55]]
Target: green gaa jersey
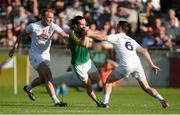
[[79, 54]]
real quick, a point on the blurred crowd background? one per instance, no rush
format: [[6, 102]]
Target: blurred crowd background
[[153, 23]]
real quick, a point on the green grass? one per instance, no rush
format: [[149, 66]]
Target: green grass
[[124, 100]]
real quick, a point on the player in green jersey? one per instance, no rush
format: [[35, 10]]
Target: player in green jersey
[[81, 63]]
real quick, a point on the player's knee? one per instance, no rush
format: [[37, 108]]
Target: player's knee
[[48, 78], [95, 77], [88, 88], [111, 78]]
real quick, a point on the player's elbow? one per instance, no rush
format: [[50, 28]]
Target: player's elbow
[[142, 50], [145, 49]]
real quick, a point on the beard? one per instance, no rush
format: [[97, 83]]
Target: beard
[[48, 23]]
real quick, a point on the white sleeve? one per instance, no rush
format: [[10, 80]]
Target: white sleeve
[[136, 45], [112, 38], [29, 28], [57, 28]]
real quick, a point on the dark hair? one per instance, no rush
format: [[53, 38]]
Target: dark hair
[[124, 25], [74, 22]]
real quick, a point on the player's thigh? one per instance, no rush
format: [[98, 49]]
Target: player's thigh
[[44, 71], [81, 73], [94, 77], [93, 73], [138, 73], [35, 60], [117, 74]]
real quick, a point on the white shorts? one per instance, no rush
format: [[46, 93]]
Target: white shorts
[[36, 59], [84, 70], [125, 71]]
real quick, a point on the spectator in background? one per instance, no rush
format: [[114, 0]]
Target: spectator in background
[[152, 9], [9, 40], [107, 28], [20, 28], [96, 9], [31, 7], [104, 17], [6, 16], [162, 40], [16, 5], [148, 40], [173, 33], [134, 7], [9, 26], [153, 28], [74, 10], [113, 8], [156, 6], [62, 22], [22, 16], [171, 15], [122, 13], [174, 30], [5, 19], [60, 5], [25, 43]]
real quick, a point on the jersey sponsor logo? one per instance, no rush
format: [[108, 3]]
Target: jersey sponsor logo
[[43, 37]]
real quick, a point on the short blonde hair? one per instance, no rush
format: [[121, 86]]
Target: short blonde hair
[[43, 12]]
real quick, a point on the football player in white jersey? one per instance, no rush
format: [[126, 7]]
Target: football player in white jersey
[[40, 33], [126, 50]]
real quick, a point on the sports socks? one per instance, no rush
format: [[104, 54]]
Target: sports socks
[[159, 97], [55, 99], [106, 98]]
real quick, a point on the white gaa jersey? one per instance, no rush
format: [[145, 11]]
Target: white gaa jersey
[[125, 48], [41, 37]]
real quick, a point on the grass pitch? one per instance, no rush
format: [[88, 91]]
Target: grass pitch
[[124, 100]]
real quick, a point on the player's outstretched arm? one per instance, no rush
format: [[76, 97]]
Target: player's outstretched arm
[[64, 35], [16, 44], [146, 54], [98, 35]]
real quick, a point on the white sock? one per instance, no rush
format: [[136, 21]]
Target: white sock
[[106, 98], [159, 97], [55, 99]]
